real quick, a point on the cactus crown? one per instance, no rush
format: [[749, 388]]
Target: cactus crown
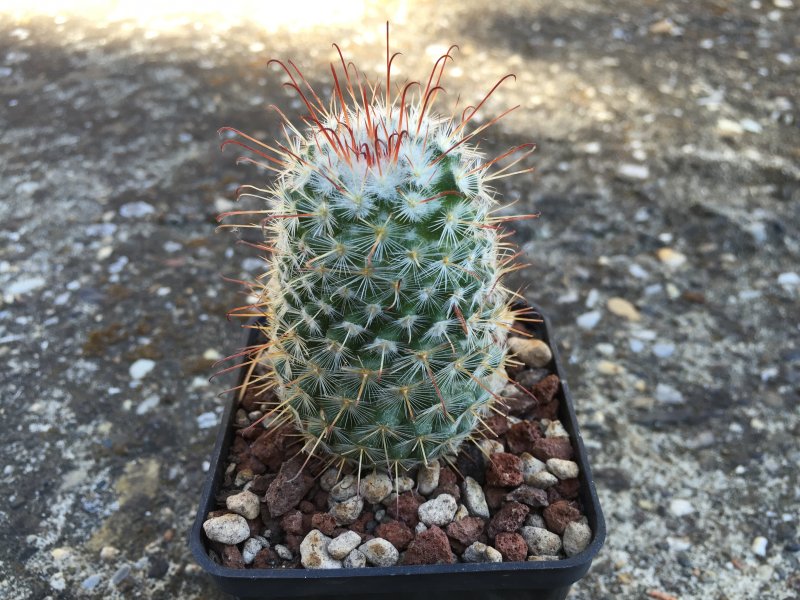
[[385, 314]]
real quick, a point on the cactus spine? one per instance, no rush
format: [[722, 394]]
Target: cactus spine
[[386, 317]]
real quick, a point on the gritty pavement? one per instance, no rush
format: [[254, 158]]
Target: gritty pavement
[[667, 256]]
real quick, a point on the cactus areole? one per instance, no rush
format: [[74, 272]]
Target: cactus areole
[[386, 318]]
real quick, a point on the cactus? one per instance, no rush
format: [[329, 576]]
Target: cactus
[[385, 316]]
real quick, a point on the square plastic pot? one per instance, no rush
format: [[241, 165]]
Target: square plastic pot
[[544, 580]]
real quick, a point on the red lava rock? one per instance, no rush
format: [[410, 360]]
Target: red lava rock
[[505, 470], [293, 542], [560, 514], [255, 525], [288, 488], [320, 500], [266, 559], [360, 524], [397, 533], [405, 507], [447, 477], [251, 433], [464, 532], [509, 518], [431, 547], [494, 497], [529, 495], [546, 448], [324, 522], [239, 449], [512, 546], [292, 522], [253, 464], [260, 484], [306, 507], [545, 392], [496, 425], [568, 488], [232, 558], [267, 449], [521, 436]]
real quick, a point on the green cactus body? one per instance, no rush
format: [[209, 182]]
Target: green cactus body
[[385, 312]]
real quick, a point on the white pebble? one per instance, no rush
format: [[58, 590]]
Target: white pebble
[[541, 541], [283, 552], [589, 320], [667, 394], [680, 507], [633, 171], [541, 480], [348, 511], [344, 544], [479, 552], [314, 552], [428, 477], [439, 511], [23, 286], [251, 547], [789, 279], [246, 504], [141, 368], [133, 210], [663, 349], [379, 552], [577, 536], [227, 529], [375, 487], [355, 560], [759, 546], [475, 499], [563, 469]]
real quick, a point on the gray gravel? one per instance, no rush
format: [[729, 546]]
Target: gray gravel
[[666, 177]]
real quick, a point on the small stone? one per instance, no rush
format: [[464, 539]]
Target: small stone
[[489, 447], [314, 552], [251, 548], [541, 480], [547, 448], [288, 488], [140, 368], [348, 511], [135, 210], [91, 582], [405, 508], [759, 546], [379, 552], [511, 546], [671, 258], [465, 531], [345, 489], [461, 513], [623, 308], [529, 495], [375, 487], [355, 560], [540, 541], [283, 552], [474, 498], [120, 575], [420, 528], [481, 553], [589, 319], [324, 522], [505, 470], [544, 557], [397, 533], [534, 353], [403, 484], [328, 479], [109, 553], [563, 469], [789, 279], [509, 518], [430, 547], [227, 529], [439, 511], [680, 507], [554, 430], [534, 519], [232, 557], [26, 285], [521, 437], [343, 544], [663, 349], [633, 171], [577, 536], [559, 514], [246, 504], [531, 465], [266, 559], [428, 477], [607, 367], [666, 394]]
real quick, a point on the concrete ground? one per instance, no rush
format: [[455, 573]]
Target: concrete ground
[[667, 256]]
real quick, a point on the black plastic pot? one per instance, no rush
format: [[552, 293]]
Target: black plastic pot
[[546, 580]]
